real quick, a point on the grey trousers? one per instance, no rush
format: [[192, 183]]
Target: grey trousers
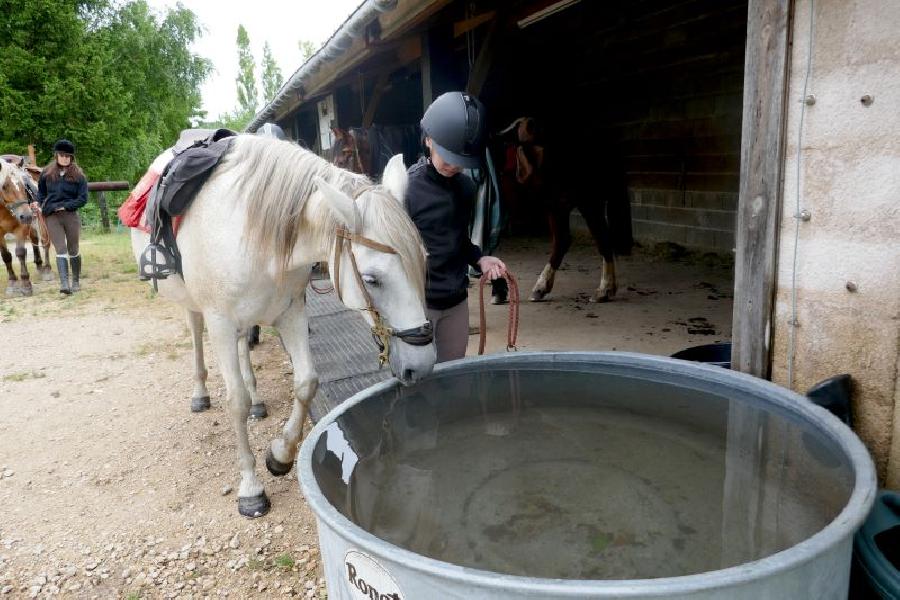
[[451, 330], [65, 229]]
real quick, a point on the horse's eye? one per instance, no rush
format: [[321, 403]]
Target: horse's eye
[[370, 280]]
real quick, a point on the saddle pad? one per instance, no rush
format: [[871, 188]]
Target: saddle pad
[[131, 213]]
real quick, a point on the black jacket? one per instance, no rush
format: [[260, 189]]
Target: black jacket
[[441, 208], [70, 195]]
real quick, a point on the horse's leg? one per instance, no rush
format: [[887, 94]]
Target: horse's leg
[[200, 396], [253, 337], [12, 285], [223, 334], [560, 240], [47, 273], [257, 406], [24, 275], [33, 238], [292, 325], [595, 215]]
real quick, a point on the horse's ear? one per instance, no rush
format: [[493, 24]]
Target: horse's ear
[[339, 202], [395, 179]]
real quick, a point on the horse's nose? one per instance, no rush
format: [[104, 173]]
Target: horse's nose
[[25, 219]]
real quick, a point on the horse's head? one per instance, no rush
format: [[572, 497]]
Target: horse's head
[[14, 192], [377, 266], [523, 130]]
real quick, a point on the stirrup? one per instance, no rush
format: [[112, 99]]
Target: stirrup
[[157, 262]]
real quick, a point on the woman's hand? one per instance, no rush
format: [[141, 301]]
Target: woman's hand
[[35, 207], [492, 266]]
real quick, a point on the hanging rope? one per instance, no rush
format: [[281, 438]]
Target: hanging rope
[[512, 331]]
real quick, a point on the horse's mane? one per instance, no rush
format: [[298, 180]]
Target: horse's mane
[[277, 178]]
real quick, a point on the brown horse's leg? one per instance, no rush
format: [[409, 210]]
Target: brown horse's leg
[[595, 215], [33, 238], [560, 240], [47, 272], [25, 277], [12, 285]]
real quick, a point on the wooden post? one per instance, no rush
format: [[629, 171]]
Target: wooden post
[[425, 61], [754, 443], [105, 186], [377, 92], [482, 65], [104, 212], [759, 201], [31, 158]]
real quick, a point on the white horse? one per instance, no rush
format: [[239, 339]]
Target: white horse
[[269, 211]]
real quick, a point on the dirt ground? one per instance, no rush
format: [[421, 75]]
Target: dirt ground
[[111, 488]]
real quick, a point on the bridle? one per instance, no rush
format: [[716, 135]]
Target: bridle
[[415, 336]]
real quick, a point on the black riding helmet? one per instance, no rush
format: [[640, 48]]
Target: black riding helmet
[[456, 124], [64, 146]]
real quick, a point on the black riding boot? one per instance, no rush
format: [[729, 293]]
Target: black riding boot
[[75, 261], [62, 267]]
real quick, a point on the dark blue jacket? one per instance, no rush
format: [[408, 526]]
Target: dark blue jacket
[[61, 193], [441, 208]]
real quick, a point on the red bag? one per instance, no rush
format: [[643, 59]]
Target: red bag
[[132, 209]]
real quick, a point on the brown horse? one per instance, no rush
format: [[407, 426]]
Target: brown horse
[[17, 191], [528, 178]]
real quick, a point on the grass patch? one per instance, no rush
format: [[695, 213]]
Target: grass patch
[[254, 564], [133, 596], [285, 561], [23, 375], [109, 279]]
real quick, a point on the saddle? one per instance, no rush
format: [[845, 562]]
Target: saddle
[[196, 154]]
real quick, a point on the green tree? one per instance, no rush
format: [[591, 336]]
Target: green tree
[[246, 80], [271, 74], [307, 49], [109, 75]]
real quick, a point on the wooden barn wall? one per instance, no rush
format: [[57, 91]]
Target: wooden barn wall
[[656, 87]]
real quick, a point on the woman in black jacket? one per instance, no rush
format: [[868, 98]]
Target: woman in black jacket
[[439, 201], [62, 190]]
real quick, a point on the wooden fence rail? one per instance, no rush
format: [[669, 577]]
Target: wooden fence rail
[[106, 186]]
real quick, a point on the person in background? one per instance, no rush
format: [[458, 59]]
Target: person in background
[[62, 190], [439, 201]]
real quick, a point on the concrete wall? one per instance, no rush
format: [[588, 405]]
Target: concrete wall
[[850, 183], [679, 120]]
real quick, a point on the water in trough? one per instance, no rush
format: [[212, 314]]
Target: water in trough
[[587, 475]]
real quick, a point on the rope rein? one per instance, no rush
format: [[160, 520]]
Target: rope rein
[[512, 332]]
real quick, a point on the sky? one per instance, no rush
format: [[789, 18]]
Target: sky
[[283, 23]]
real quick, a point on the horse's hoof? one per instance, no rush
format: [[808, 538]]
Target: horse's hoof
[[258, 411], [275, 466], [537, 296], [499, 299], [47, 276], [601, 298], [200, 404], [255, 506]]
